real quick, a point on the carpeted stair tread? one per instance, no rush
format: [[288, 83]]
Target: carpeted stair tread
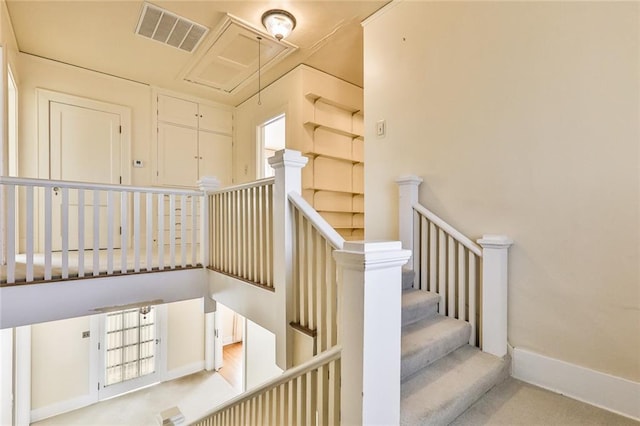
[[436, 395], [428, 340], [417, 305]]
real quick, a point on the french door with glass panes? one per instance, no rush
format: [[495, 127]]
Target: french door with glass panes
[[129, 350]]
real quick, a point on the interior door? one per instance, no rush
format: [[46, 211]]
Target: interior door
[[85, 146], [177, 155], [129, 350]]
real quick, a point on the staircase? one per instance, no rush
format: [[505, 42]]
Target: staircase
[[442, 375]]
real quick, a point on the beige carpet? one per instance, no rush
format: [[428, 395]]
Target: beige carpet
[[194, 395], [517, 403]]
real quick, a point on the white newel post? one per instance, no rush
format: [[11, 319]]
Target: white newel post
[[408, 197], [370, 275], [287, 165], [207, 185], [495, 255]]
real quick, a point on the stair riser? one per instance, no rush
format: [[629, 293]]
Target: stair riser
[[415, 313], [433, 351], [407, 279], [449, 413]]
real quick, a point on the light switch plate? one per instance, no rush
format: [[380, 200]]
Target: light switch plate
[[381, 128]]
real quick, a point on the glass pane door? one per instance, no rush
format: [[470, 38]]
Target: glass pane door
[[130, 344]]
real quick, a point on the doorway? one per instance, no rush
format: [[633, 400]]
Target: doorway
[[230, 328], [271, 138]]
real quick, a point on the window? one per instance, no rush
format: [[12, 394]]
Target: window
[[130, 344], [272, 139]]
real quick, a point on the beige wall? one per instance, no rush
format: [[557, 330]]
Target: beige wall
[[522, 118], [185, 334], [41, 73], [260, 355], [280, 97], [285, 95], [59, 362]]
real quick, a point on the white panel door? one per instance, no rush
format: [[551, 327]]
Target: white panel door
[[177, 155], [85, 146], [215, 155]]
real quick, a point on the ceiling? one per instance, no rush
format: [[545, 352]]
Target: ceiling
[[99, 35]]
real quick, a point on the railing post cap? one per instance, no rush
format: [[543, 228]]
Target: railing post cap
[[288, 158], [208, 184], [409, 180], [495, 241], [361, 255]]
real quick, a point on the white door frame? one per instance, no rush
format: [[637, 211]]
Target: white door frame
[[262, 121]]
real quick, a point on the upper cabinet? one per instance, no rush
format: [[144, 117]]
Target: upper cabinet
[[194, 140]]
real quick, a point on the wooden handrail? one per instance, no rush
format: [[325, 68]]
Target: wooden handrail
[[315, 362], [47, 183], [323, 227], [252, 184], [457, 235]]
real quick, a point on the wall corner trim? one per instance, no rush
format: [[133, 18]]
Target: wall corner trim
[[387, 7], [603, 390]]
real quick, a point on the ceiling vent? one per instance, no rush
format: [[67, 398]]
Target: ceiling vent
[[168, 28]]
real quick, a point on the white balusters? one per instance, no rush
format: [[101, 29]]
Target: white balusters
[[136, 232], [47, 233], [160, 203], [172, 231], [80, 233], [30, 233], [110, 231], [241, 234], [449, 264], [69, 219], [96, 233], [10, 232], [149, 223], [64, 231]]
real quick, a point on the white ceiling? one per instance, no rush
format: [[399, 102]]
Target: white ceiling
[[99, 35]]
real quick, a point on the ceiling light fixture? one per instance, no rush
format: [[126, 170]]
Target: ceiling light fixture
[[279, 23]]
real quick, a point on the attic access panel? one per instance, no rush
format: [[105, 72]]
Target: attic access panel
[[229, 58]]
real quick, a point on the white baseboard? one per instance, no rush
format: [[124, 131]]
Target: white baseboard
[[185, 370], [603, 390], [61, 407]]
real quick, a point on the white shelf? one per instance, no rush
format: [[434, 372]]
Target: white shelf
[[314, 97], [314, 125]]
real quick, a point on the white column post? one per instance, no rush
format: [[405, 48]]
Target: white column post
[[495, 255], [370, 327], [288, 166], [408, 197], [207, 184]]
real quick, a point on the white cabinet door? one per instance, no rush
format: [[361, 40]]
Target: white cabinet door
[[177, 111], [177, 155], [215, 119], [215, 156]]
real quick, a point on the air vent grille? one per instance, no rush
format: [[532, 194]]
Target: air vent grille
[[168, 28]]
